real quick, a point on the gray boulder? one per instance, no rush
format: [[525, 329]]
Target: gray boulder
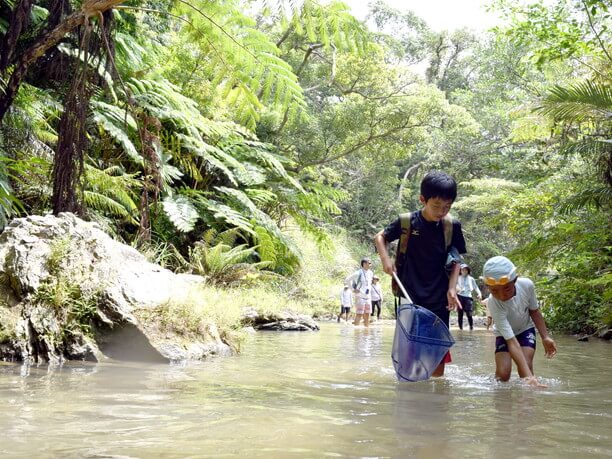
[[117, 287]]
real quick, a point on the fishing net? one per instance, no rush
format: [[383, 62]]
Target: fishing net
[[420, 343]]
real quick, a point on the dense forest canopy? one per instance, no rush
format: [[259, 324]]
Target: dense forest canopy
[[201, 130]]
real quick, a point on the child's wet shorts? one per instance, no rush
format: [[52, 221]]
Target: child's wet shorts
[[364, 304], [525, 339]]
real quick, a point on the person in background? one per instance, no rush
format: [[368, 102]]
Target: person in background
[[424, 266], [466, 285], [516, 314], [377, 297], [361, 282], [346, 303]]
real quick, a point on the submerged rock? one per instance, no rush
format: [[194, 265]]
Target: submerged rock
[[72, 292], [283, 321], [605, 333]]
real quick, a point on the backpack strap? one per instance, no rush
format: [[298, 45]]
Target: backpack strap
[[447, 221], [405, 221], [402, 247]]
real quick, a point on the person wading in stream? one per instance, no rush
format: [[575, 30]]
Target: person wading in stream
[[425, 260], [516, 313], [361, 282], [465, 286]]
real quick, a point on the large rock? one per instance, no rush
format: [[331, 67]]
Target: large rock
[[35, 250]]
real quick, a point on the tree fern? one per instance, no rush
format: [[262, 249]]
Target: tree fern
[[267, 247], [242, 59], [261, 218]]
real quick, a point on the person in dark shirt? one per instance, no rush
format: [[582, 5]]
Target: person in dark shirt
[[424, 268]]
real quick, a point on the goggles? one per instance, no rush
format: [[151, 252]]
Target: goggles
[[503, 280]]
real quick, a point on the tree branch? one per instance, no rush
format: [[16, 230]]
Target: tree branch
[[603, 47], [89, 9], [362, 143]]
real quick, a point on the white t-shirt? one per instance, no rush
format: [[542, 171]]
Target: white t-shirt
[[465, 286], [376, 292], [512, 317], [346, 298], [363, 279]]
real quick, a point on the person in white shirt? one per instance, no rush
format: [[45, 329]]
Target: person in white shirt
[[377, 297], [515, 311], [465, 286], [346, 303], [361, 282]]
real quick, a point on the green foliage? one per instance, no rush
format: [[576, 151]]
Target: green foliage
[[243, 62], [62, 292], [581, 101], [180, 212], [559, 30], [111, 192], [8, 320], [222, 264]]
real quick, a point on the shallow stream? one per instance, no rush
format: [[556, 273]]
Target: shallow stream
[[326, 394]]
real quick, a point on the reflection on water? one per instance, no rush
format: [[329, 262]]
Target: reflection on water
[[326, 394]]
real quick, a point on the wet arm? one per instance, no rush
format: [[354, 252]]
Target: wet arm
[[453, 301], [514, 348], [381, 248], [550, 348]]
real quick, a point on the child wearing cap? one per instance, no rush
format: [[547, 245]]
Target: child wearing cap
[[465, 286], [377, 297], [516, 315]]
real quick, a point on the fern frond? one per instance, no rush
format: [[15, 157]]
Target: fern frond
[[181, 212], [205, 151], [107, 205], [111, 191], [579, 102], [596, 197], [117, 124]]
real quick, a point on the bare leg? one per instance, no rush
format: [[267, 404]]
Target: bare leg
[[366, 319], [503, 366], [357, 319]]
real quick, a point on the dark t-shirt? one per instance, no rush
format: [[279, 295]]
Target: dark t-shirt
[[423, 271]]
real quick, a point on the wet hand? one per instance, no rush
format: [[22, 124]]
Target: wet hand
[[453, 301], [388, 267], [533, 382], [550, 348]]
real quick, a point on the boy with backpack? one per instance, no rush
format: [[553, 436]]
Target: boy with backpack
[[430, 242]]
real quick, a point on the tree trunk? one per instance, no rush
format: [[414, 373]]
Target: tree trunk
[[18, 21], [89, 8]]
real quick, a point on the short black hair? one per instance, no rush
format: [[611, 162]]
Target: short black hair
[[437, 184]]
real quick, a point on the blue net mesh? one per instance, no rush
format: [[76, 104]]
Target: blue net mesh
[[420, 343]]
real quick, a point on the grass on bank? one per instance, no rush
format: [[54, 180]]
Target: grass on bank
[[313, 290]]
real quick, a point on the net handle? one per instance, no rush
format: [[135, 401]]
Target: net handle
[[401, 286]]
